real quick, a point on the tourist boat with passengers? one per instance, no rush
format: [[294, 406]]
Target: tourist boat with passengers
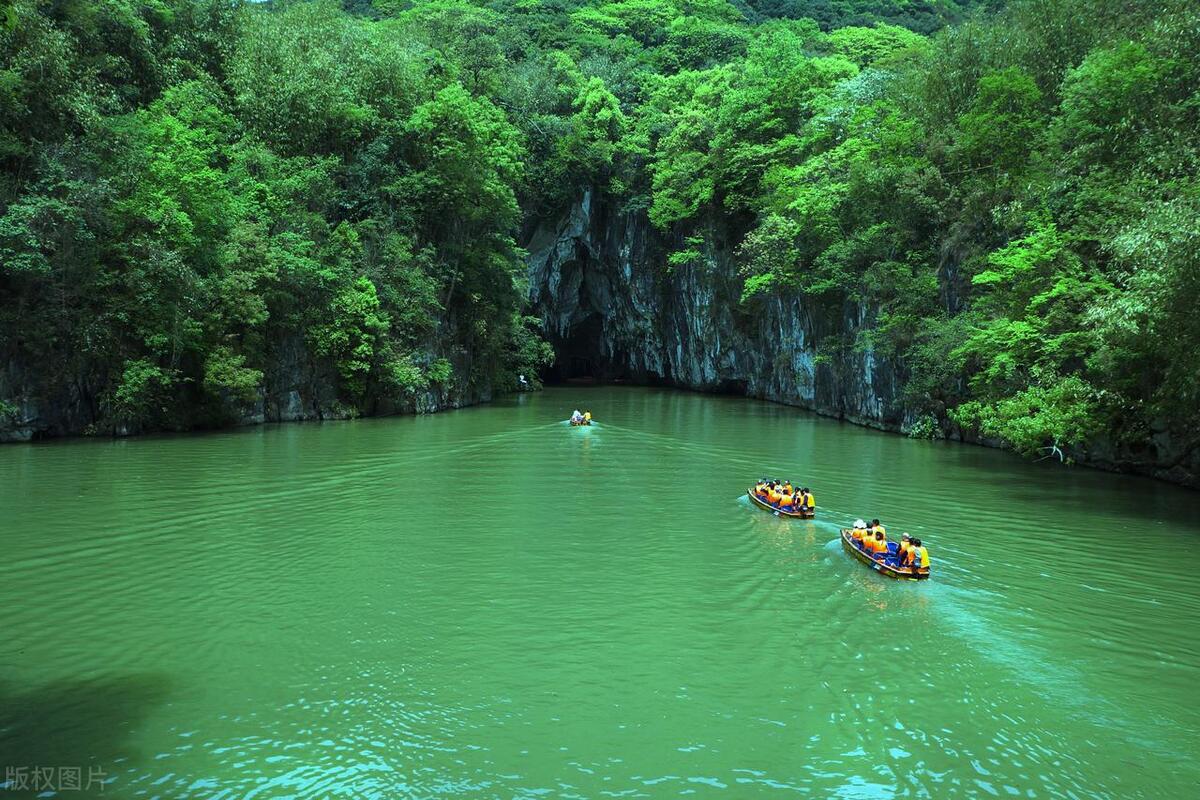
[[764, 503], [881, 566]]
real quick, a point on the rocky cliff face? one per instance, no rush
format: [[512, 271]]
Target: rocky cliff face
[[296, 386], [599, 281], [598, 278]]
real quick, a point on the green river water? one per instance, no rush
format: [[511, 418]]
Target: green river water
[[487, 603]]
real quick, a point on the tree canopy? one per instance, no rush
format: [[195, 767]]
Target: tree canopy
[[190, 187]]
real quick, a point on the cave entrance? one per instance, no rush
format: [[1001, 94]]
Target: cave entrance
[[580, 368], [578, 357]]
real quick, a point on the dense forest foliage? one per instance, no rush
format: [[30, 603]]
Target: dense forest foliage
[[1011, 188]]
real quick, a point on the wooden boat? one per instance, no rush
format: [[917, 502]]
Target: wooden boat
[[899, 573], [779, 511]]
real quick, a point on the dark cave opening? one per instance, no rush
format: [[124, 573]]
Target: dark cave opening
[[580, 358], [577, 355]]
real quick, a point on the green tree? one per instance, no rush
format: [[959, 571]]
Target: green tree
[[596, 130]]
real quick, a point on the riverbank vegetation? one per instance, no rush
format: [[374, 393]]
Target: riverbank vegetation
[[191, 189]]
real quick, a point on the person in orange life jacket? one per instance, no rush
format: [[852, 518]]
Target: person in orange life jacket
[[879, 547], [920, 556], [902, 553]]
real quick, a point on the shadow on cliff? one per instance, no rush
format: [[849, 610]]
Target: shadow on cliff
[[84, 724]]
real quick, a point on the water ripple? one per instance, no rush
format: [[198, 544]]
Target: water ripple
[[489, 603]]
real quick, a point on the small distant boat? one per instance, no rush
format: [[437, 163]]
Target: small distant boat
[[779, 511], [581, 423], [898, 573]]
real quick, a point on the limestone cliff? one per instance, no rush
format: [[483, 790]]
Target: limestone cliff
[[296, 386], [599, 280]]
